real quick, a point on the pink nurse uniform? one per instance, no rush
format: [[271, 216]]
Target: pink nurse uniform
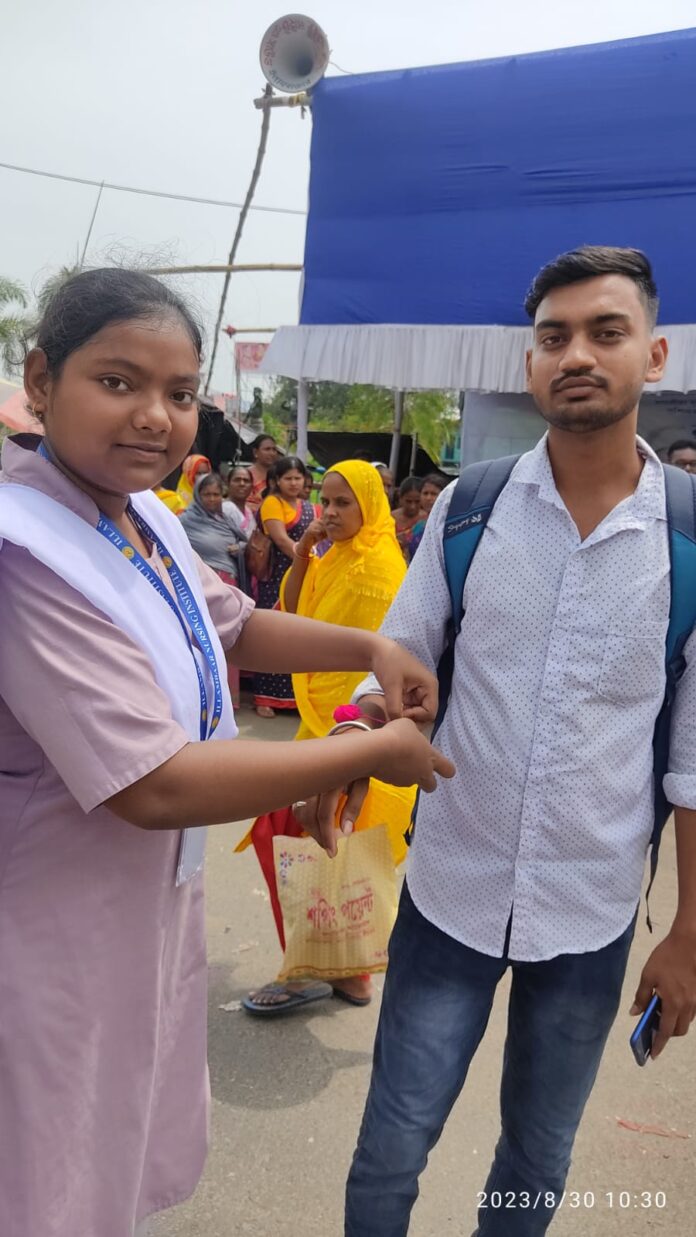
[[104, 1091]]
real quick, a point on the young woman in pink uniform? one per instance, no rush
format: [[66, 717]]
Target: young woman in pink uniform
[[117, 744]]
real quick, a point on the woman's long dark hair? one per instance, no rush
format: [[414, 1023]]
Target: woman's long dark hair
[[91, 300]]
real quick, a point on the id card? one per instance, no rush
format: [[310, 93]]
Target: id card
[[191, 854]]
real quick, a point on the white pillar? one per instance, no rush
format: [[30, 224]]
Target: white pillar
[[302, 418]]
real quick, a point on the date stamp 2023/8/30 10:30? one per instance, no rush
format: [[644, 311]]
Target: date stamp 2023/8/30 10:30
[[574, 1200]]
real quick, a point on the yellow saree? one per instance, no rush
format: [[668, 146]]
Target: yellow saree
[[353, 585], [191, 467]]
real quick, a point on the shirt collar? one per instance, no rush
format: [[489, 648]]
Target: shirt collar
[[22, 466], [646, 503]]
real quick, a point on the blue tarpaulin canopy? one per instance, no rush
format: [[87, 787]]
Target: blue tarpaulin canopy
[[437, 193]]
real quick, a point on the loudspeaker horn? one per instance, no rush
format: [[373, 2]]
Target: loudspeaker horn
[[294, 53]]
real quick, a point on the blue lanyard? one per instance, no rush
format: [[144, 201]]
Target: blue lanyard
[[187, 612]]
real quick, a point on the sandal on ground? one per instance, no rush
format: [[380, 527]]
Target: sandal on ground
[[284, 997], [264, 710]]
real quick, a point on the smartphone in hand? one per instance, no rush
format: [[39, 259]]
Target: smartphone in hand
[[642, 1038]]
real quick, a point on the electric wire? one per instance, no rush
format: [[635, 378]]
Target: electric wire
[[150, 193]]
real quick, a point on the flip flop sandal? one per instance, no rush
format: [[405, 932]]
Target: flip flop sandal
[[350, 999], [312, 991]]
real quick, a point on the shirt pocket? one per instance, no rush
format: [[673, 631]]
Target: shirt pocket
[[633, 663]]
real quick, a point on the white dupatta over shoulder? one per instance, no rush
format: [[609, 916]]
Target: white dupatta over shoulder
[[74, 550], [89, 563]]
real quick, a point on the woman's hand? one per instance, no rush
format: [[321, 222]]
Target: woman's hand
[[403, 757], [292, 586], [410, 690], [406, 758], [312, 535]]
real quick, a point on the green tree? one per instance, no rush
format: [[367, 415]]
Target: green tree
[[280, 408], [13, 322], [431, 415], [327, 402]]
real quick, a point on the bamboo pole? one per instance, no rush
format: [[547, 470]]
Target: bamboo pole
[[91, 225], [252, 330], [231, 257], [220, 270]]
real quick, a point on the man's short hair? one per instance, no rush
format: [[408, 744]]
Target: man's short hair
[[682, 444], [588, 262]]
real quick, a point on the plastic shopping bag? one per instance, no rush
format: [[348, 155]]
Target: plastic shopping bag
[[338, 913]]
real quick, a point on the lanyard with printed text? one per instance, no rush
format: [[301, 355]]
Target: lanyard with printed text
[[187, 612]]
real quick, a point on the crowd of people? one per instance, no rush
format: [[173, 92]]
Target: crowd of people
[[129, 609], [340, 560], [271, 498]]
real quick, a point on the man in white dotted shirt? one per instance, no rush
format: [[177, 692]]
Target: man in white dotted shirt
[[532, 857]]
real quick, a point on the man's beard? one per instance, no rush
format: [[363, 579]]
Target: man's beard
[[582, 417]]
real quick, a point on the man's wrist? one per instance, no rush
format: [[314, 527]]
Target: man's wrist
[[344, 714], [684, 926], [372, 707]]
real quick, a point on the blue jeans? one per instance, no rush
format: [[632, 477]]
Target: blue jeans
[[436, 1004]]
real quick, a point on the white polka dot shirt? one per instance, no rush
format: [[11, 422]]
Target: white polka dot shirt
[[559, 677]]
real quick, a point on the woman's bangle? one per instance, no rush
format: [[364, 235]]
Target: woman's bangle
[[304, 557], [341, 726]]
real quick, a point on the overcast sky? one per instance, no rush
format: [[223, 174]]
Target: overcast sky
[[158, 94]]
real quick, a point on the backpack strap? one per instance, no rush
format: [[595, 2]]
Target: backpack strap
[[472, 501], [680, 496], [471, 504]]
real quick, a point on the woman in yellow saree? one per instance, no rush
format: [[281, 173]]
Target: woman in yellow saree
[[352, 584], [193, 467]]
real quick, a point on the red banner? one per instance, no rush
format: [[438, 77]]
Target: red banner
[[249, 356]]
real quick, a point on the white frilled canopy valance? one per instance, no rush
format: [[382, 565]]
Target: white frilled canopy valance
[[474, 358]]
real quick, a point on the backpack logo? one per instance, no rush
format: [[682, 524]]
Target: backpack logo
[[472, 519]]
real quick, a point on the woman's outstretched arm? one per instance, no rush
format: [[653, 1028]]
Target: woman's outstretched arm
[[285, 643], [211, 783]]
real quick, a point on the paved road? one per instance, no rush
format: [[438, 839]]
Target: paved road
[[288, 1096]]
